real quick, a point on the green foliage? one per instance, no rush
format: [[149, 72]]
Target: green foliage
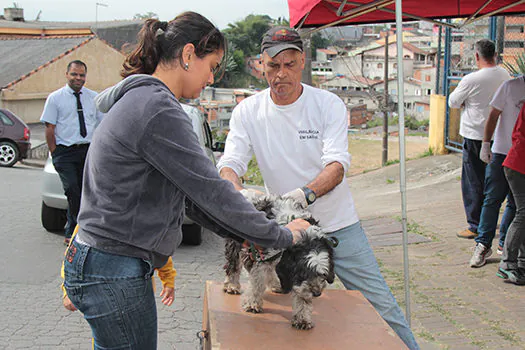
[[246, 35], [518, 67], [146, 15], [317, 41], [253, 175]]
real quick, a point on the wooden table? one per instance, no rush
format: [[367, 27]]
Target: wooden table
[[343, 320]]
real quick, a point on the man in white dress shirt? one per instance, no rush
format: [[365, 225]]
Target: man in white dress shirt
[[70, 117]]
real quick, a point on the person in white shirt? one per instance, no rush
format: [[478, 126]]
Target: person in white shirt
[[71, 117], [298, 135], [473, 93], [505, 107]]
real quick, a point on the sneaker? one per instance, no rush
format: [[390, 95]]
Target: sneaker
[[481, 253], [467, 234], [503, 273], [516, 277], [500, 250]]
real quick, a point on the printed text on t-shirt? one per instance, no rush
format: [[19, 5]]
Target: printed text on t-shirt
[[308, 134]]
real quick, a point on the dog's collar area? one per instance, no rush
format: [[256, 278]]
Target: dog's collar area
[[256, 255]]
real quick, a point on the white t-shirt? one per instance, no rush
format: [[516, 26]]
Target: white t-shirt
[[292, 145], [508, 99], [475, 91]]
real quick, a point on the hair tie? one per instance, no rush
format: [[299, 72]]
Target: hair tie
[[163, 25]]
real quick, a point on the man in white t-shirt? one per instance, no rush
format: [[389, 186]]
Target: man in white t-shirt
[[298, 135], [473, 93], [505, 107]]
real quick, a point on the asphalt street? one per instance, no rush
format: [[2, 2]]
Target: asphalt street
[[31, 311]]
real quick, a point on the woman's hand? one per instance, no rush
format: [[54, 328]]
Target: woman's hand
[[297, 226]]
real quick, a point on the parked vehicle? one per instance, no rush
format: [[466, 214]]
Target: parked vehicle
[[15, 136], [54, 202]]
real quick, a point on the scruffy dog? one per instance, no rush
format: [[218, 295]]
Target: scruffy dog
[[303, 269]]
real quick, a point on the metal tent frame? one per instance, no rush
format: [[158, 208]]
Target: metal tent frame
[[346, 13]]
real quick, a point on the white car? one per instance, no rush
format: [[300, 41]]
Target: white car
[[54, 202]]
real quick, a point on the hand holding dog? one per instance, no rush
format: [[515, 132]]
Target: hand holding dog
[[168, 295], [297, 226]]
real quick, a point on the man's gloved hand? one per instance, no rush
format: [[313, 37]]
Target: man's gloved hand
[[251, 194], [485, 154], [299, 196]]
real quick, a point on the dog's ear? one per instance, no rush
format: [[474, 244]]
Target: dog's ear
[[331, 273], [284, 270]]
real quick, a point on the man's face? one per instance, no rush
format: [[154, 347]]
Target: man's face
[[283, 74], [76, 76]]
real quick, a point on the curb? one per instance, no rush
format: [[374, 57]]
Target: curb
[[37, 163]]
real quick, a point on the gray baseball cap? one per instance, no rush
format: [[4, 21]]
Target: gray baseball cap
[[281, 38]]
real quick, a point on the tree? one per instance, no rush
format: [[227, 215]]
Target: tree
[[317, 41], [246, 35], [146, 15]]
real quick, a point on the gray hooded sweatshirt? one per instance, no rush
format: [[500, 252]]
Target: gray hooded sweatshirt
[[143, 162]]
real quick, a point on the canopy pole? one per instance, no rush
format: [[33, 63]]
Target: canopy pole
[[402, 156]]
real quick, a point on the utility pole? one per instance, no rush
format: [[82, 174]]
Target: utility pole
[[96, 14], [307, 49], [385, 106]]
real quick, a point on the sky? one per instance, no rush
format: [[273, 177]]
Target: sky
[[220, 12]]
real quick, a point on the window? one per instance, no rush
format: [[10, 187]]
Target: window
[[418, 92], [361, 101], [514, 44], [393, 92], [428, 92], [427, 78], [6, 120], [515, 28], [380, 65], [420, 109]]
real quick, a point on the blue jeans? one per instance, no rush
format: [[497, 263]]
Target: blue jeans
[[115, 294], [496, 189], [356, 266], [472, 182], [514, 250], [69, 164]]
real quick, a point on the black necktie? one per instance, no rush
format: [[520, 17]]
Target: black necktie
[[81, 121]]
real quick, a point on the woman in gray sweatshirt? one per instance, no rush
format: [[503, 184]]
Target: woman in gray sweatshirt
[[143, 164]]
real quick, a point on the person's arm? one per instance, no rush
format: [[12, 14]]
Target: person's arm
[[457, 98], [50, 137], [167, 276], [491, 123], [49, 118], [169, 144], [238, 151]]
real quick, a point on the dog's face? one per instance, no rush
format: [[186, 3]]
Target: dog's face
[[307, 267]]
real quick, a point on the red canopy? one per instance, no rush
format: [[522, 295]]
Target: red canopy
[[323, 12]]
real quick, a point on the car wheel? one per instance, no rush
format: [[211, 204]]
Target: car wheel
[[8, 154], [191, 234], [53, 219]]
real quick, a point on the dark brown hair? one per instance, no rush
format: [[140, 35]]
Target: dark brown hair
[[163, 42], [78, 63]]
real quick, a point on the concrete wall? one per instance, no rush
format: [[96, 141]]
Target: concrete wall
[[26, 98]]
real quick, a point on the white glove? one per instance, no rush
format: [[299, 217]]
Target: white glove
[[299, 196], [251, 194], [485, 154]]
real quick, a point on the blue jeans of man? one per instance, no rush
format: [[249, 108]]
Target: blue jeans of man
[[472, 182], [496, 189], [514, 250], [115, 294], [69, 164], [356, 266]]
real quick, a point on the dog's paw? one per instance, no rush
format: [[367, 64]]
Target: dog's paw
[[232, 288], [252, 307], [278, 290], [302, 324]]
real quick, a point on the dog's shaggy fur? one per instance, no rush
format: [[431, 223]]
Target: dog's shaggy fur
[[303, 269]]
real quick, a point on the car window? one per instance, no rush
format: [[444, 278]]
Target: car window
[[5, 119]]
